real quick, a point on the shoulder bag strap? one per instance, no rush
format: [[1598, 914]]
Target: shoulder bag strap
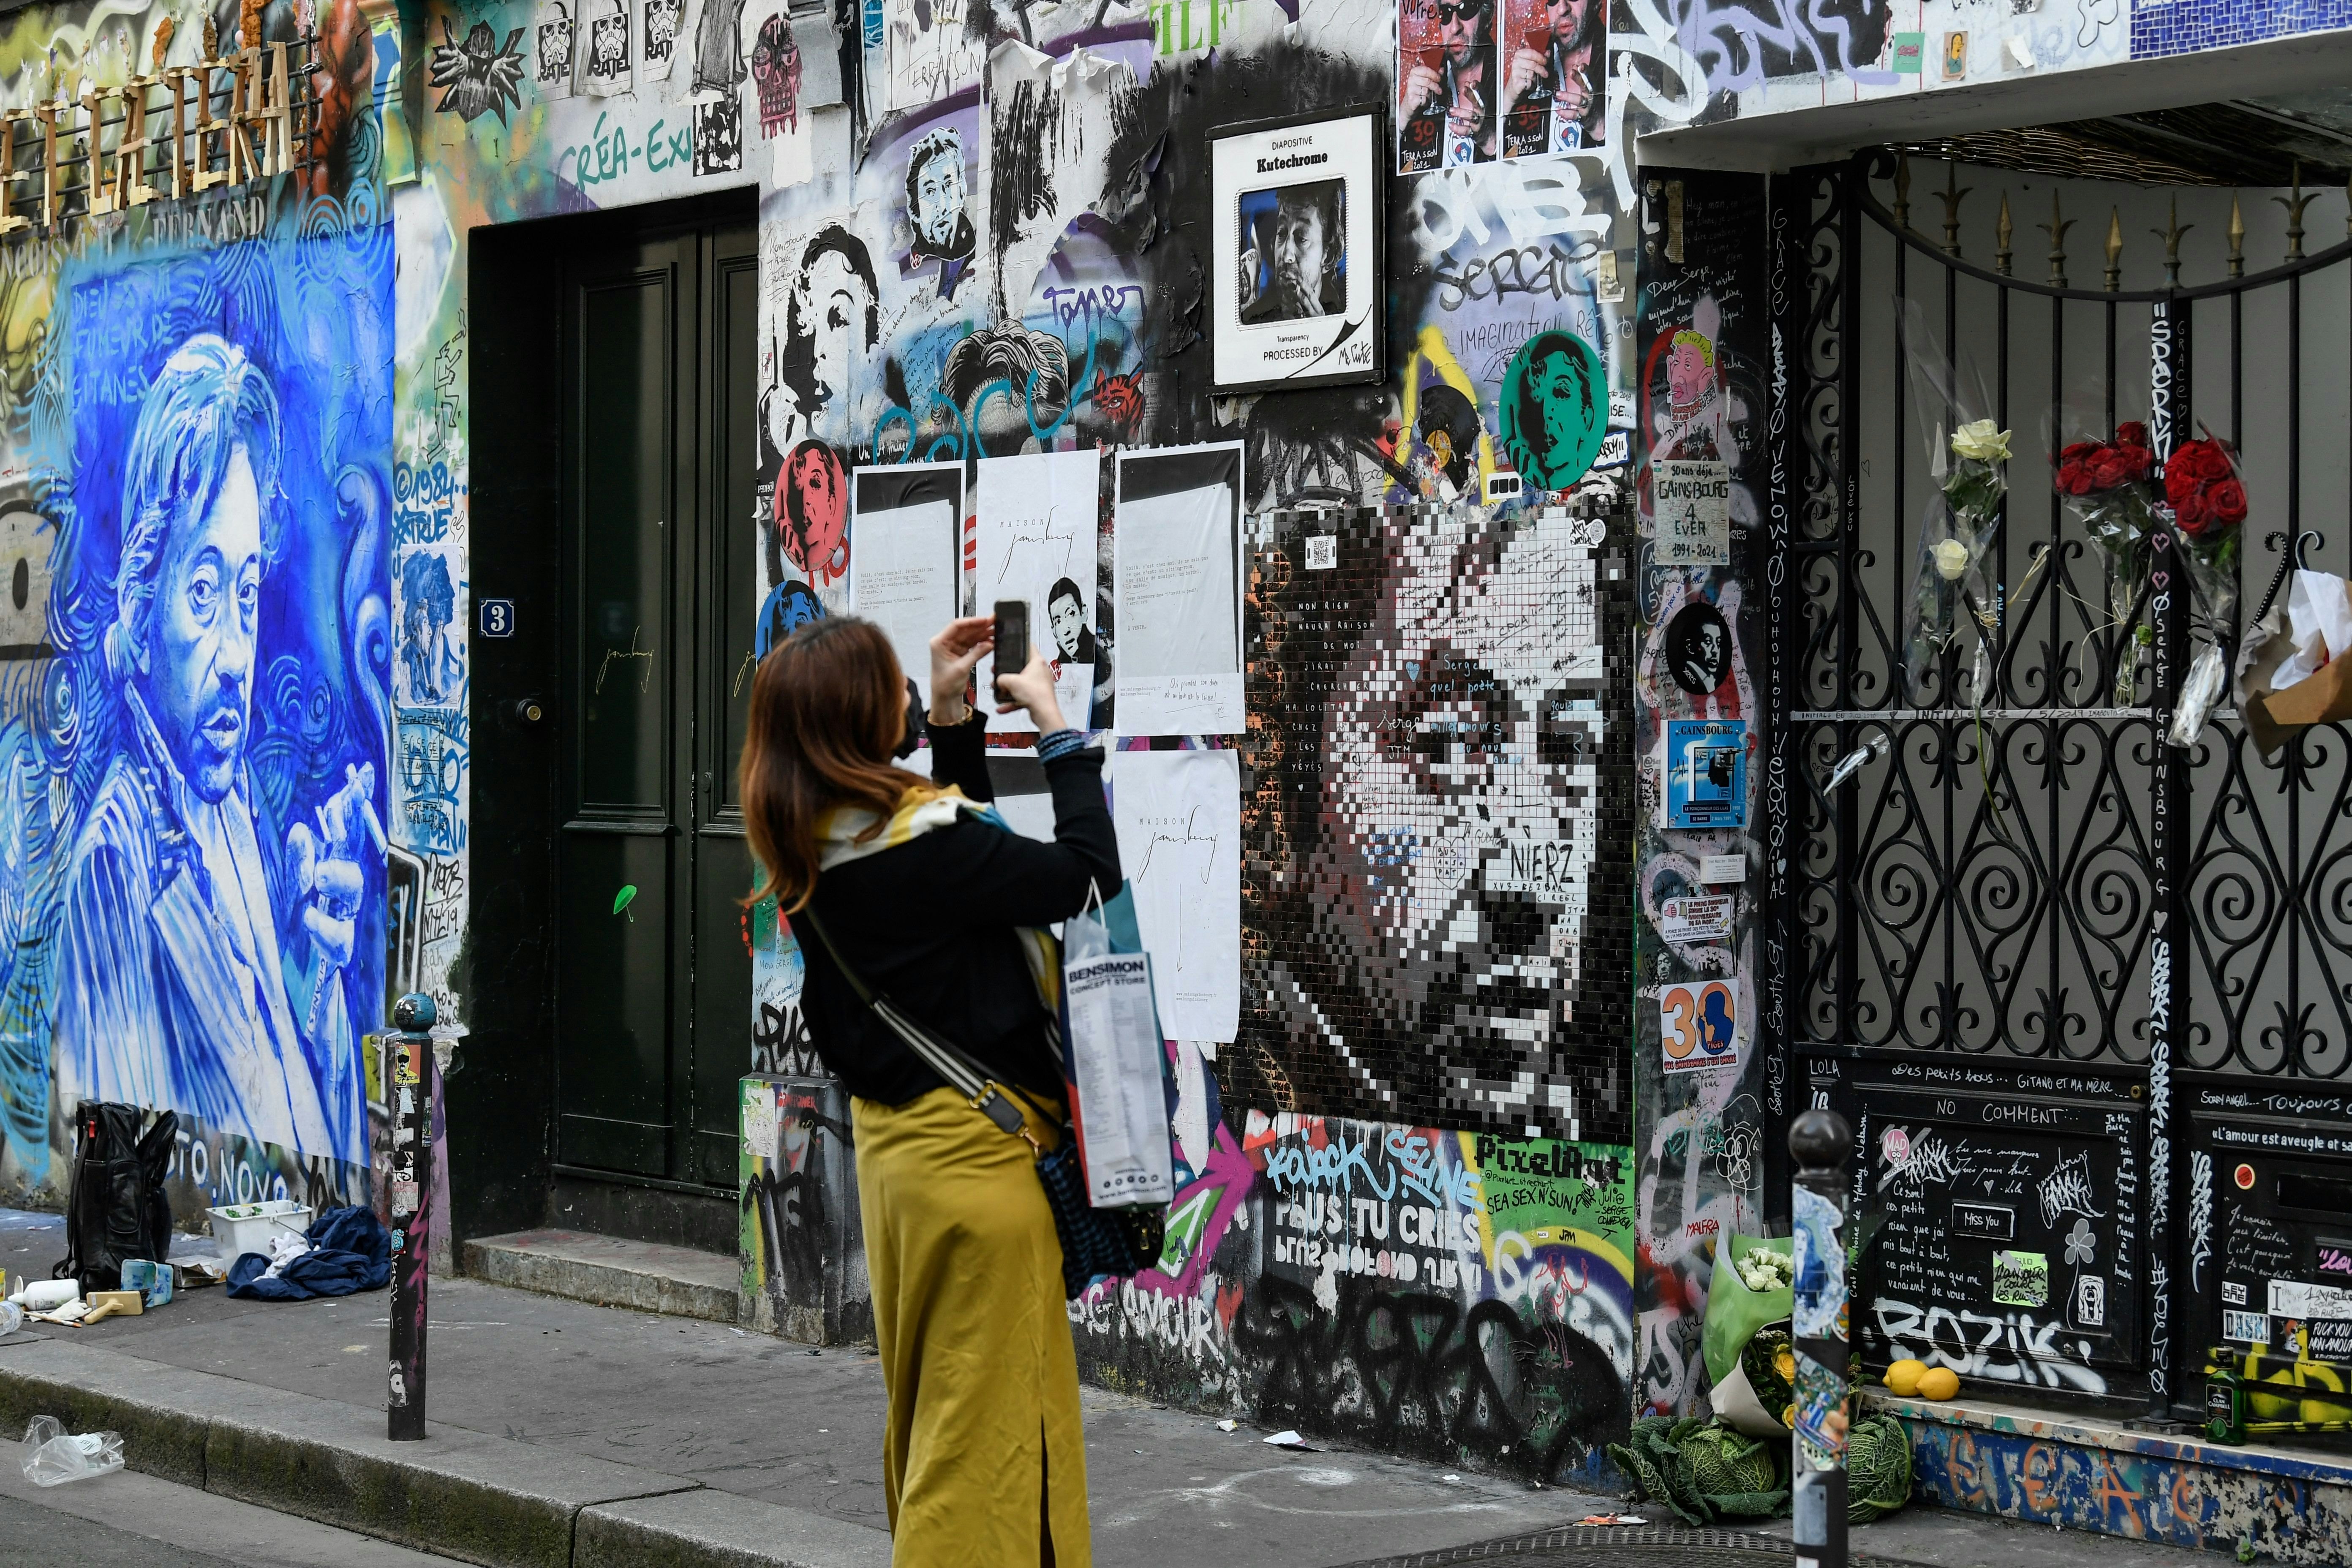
[[963, 1073]]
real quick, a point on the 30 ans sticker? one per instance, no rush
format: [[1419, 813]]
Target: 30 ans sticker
[[1698, 1025]]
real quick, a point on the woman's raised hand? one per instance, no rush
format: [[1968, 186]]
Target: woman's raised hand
[[959, 647], [1031, 687]]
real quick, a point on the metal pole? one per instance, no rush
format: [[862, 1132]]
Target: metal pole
[[1818, 1144], [411, 1051]]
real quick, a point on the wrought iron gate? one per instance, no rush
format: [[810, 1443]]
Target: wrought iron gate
[[2086, 997]]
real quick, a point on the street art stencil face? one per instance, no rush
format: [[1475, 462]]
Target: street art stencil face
[[812, 515], [831, 321], [1555, 407], [201, 903], [935, 197]]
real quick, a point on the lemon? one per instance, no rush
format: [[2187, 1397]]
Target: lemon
[[1938, 1383], [1904, 1377]]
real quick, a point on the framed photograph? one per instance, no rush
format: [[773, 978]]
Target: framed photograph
[[1296, 251]]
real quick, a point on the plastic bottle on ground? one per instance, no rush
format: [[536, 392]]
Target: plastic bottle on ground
[[53, 1456]]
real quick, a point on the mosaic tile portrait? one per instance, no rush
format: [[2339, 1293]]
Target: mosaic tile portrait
[[1428, 771]]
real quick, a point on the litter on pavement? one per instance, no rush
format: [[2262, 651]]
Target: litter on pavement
[[53, 1456]]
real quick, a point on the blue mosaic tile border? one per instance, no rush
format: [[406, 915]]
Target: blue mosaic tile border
[[2163, 27]]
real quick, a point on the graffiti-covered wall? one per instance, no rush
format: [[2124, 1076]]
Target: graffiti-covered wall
[[195, 417], [1460, 1295], [1707, 62], [1704, 340]]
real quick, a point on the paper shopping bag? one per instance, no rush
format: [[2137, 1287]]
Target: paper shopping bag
[[2322, 697], [1113, 1061]]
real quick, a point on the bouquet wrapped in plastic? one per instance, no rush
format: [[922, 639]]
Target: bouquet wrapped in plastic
[[2207, 500], [2111, 487], [1951, 589]]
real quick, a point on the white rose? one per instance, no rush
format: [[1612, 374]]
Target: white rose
[[1981, 440], [1952, 560]]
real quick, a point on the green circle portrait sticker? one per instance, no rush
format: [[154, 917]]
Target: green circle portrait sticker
[[1555, 409]]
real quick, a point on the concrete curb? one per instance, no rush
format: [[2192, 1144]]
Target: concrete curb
[[464, 1494]]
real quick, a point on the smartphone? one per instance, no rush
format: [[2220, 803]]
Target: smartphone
[[1012, 635]]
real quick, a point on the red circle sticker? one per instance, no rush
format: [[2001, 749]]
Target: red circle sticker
[[2245, 1175]]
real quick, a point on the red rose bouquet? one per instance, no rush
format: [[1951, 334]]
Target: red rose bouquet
[[2102, 469], [2206, 501], [2202, 482], [2112, 486]]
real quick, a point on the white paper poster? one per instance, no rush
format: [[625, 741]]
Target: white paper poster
[[1179, 817], [902, 576], [932, 52], [1694, 512], [1177, 574], [1035, 540]]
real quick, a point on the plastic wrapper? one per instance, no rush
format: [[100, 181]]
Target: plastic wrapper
[[1954, 602], [2205, 503], [2110, 486], [53, 1456], [2200, 693]]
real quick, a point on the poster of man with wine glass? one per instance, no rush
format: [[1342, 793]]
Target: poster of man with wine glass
[[1555, 62]]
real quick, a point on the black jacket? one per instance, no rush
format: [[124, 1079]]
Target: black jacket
[[929, 925]]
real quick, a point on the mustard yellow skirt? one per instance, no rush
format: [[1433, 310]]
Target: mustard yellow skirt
[[984, 1445]]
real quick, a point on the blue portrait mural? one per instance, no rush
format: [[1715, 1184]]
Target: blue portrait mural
[[195, 895]]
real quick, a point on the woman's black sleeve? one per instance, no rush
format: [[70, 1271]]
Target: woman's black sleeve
[[960, 756], [995, 878]]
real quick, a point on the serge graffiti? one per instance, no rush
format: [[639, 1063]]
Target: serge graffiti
[[1542, 271]]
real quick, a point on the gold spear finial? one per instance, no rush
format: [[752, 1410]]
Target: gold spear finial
[[2056, 229], [2171, 234], [1952, 196], [2295, 205]]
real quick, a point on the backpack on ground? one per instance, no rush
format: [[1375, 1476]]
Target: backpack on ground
[[115, 1208]]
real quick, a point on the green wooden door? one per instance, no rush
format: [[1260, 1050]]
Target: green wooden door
[[652, 1002]]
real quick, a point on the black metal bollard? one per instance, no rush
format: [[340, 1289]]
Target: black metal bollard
[[412, 1085], [1819, 1143]]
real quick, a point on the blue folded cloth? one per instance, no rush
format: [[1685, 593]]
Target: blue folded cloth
[[350, 1250]]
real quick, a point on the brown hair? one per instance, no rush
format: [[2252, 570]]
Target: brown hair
[[828, 706]]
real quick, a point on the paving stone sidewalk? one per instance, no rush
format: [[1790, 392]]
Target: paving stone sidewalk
[[672, 1440]]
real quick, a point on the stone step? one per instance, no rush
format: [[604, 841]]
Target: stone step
[[642, 1276]]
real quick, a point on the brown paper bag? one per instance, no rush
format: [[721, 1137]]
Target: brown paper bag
[[2318, 698]]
